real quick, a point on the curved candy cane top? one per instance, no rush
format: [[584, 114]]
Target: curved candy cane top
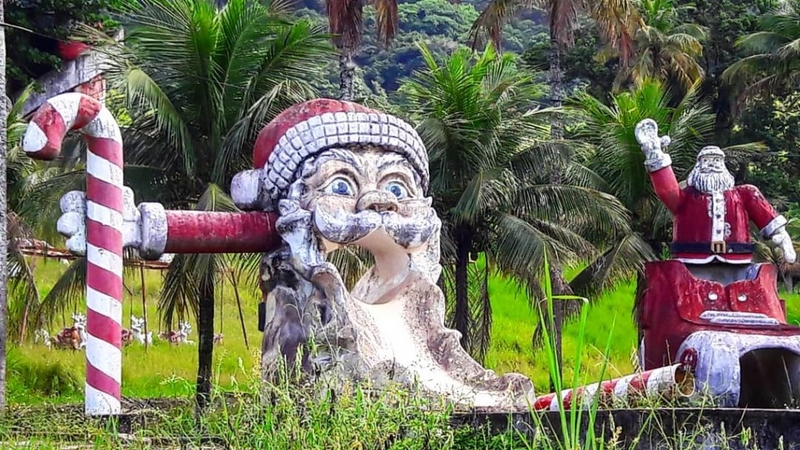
[[63, 113], [314, 126]]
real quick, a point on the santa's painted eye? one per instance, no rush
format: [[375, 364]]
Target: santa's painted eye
[[340, 186], [397, 189]]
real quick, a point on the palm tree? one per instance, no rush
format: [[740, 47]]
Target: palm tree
[[345, 19], [4, 210], [664, 47], [21, 173], [774, 53], [616, 156], [491, 160], [199, 83], [616, 21]]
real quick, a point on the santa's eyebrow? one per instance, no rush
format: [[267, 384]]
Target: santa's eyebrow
[[393, 159], [346, 155]]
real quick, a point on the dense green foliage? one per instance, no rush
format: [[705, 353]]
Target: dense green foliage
[[444, 27], [37, 27]]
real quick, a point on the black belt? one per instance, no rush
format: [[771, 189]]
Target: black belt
[[713, 247]]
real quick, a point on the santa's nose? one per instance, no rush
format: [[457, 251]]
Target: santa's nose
[[378, 201]]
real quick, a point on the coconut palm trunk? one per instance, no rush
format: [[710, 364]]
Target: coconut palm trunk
[[461, 313], [3, 204], [556, 82], [559, 283], [346, 23], [347, 75], [205, 345]]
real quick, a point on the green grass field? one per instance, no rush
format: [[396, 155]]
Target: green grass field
[[165, 370]]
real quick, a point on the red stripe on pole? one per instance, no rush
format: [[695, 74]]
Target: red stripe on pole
[[108, 237], [102, 382], [52, 124], [88, 108], [104, 194], [103, 328], [107, 149], [639, 382], [104, 281], [543, 402]]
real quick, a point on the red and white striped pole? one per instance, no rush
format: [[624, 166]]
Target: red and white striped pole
[[670, 381], [104, 221]]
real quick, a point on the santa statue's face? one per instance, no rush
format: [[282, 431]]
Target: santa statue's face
[[368, 196], [710, 175], [711, 164]]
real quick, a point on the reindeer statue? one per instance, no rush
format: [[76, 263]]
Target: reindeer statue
[[178, 337], [72, 337], [137, 328], [42, 335], [127, 336]]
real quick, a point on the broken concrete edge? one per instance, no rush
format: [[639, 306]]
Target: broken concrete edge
[[770, 427], [71, 75]]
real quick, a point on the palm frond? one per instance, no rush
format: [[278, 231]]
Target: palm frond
[[352, 262], [386, 17], [346, 22], [619, 263], [22, 289], [67, 293], [180, 290]]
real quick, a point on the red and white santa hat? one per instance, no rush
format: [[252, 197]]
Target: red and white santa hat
[[309, 128], [710, 150]]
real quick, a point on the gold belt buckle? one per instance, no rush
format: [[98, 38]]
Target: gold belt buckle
[[719, 247]]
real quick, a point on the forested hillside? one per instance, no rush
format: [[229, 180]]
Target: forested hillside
[[444, 27]]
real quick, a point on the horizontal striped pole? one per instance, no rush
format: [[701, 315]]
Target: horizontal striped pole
[[104, 223], [664, 382]]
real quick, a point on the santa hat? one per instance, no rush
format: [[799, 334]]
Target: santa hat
[[309, 128], [710, 150]]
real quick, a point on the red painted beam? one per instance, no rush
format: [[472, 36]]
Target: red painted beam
[[221, 232]]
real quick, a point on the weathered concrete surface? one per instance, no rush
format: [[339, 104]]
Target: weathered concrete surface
[[685, 428]]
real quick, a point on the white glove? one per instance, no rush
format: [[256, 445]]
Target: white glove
[[652, 145], [72, 223], [782, 239]]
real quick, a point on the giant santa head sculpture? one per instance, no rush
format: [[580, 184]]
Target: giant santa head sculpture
[[356, 170]]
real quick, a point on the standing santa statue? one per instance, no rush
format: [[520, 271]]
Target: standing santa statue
[[711, 214], [710, 306]]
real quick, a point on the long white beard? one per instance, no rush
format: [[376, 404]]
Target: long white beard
[[708, 183]]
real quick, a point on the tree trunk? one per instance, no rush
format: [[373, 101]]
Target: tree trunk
[[461, 315], [556, 82], [347, 75], [3, 217], [560, 286], [205, 345]]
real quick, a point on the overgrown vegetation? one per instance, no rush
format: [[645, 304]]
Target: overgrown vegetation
[[39, 26]]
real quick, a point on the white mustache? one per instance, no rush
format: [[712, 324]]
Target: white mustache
[[342, 227]]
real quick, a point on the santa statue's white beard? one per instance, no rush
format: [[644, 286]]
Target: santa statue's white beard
[[710, 182]]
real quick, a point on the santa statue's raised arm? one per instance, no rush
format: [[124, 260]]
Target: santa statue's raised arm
[[710, 215]]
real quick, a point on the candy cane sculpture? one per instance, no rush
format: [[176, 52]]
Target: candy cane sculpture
[[104, 232], [675, 381]]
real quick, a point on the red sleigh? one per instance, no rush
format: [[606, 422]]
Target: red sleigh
[[728, 319]]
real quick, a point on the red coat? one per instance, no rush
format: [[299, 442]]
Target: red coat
[[702, 221]]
